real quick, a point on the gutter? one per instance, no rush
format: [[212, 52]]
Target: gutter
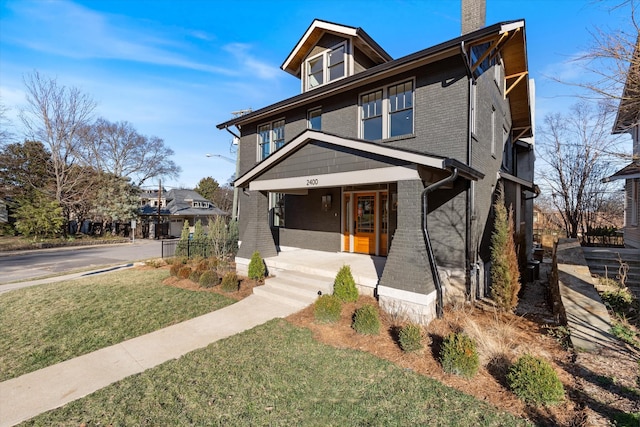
[[427, 239]]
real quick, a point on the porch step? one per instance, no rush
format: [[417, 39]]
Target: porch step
[[294, 288], [605, 261]]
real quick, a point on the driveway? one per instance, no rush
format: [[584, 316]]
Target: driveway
[[24, 265]]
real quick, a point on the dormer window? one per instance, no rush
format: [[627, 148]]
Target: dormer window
[[326, 66]]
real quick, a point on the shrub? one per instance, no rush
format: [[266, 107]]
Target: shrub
[[230, 282], [208, 279], [154, 263], [344, 287], [459, 355], [184, 272], [327, 309], [173, 270], [366, 320], [195, 276], [256, 267], [410, 337], [619, 300], [183, 244], [534, 381], [505, 275]]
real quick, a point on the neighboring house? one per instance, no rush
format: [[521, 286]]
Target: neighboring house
[[176, 207], [628, 121], [372, 142]]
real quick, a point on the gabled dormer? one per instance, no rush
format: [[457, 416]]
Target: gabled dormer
[[328, 52]]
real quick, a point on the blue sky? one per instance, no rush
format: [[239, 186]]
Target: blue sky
[[175, 69]]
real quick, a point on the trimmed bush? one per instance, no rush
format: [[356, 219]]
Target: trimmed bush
[[208, 279], [173, 270], [184, 272], [534, 381], [327, 309], [344, 287], [410, 337], [459, 355], [256, 267], [195, 276], [366, 320], [230, 282]]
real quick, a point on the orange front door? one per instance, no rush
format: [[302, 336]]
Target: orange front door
[[364, 217]]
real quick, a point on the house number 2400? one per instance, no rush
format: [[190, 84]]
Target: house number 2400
[[311, 182]]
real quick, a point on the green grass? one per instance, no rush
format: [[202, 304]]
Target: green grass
[[277, 374], [47, 324]]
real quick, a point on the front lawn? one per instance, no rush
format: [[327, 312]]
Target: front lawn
[[47, 324], [277, 374]]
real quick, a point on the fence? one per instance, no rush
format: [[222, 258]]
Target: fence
[[190, 249]]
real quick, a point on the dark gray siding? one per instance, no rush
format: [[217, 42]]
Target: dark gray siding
[[361, 61], [327, 41]]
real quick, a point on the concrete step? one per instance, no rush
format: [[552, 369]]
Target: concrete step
[[295, 288]]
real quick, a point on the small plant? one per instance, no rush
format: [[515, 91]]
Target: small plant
[[154, 263], [624, 332], [618, 300], [195, 276], [366, 320], [344, 287], [534, 381], [208, 279], [410, 337], [256, 267], [173, 270], [184, 272], [327, 309], [230, 282], [459, 355]]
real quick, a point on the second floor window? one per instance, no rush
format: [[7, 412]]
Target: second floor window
[[326, 67], [388, 112], [315, 119], [270, 138]]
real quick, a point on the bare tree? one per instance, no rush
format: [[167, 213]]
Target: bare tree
[[57, 115], [612, 62], [6, 136], [118, 149], [576, 149]]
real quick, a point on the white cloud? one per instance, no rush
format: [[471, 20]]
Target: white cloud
[[250, 63]]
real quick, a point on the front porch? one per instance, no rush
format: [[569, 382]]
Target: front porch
[[366, 269]]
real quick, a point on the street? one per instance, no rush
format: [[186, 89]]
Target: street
[[32, 264]]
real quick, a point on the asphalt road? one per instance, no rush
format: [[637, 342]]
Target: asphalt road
[[32, 264]]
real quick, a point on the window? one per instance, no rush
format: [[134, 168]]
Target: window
[[276, 206], [315, 119], [474, 107], [270, 138], [388, 112], [326, 67]]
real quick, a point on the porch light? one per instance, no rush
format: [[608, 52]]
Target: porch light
[[326, 202]]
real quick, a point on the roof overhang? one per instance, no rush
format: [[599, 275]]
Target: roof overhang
[[417, 163], [317, 29], [517, 64], [631, 171], [527, 185]]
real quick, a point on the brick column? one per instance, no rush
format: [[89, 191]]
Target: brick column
[[257, 234]]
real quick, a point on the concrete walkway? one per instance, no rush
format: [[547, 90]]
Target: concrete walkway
[[37, 392]]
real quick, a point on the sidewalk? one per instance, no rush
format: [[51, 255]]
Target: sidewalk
[[37, 392]]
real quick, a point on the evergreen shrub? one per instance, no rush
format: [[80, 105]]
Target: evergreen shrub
[[208, 279], [459, 355], [534, 381], [256, 267], [230, 282], [184, 272], [410, 337], [366, 320], [344, 287], [327, 309]]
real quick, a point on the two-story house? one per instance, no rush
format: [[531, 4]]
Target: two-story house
[[628, 121], [396, 158]]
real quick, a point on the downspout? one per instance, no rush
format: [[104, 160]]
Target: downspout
[[427, 239], [471, 266], [234, 208]]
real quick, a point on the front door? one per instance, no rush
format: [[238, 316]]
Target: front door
[[365, 225], [364, 233]]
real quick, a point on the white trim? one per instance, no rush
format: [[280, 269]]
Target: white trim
[[369, 176], [367, 147], [386, 108], [325, 65], [408, 296], [511, 26]]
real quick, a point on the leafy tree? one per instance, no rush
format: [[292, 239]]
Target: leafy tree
[[183, 244], [505, 276], [24, 168], [116, 199], [40, 217], [117, 148], [207, 188], [221, 196]]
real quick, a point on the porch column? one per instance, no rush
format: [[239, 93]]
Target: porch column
[[257, 234], [406, 287]]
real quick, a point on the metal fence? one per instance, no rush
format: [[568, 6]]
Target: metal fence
[[189, 249]]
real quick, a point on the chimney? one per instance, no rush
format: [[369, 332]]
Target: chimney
[[473, 15]]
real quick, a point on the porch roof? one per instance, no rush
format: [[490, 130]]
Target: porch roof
[[631, 171], [403, 164]]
